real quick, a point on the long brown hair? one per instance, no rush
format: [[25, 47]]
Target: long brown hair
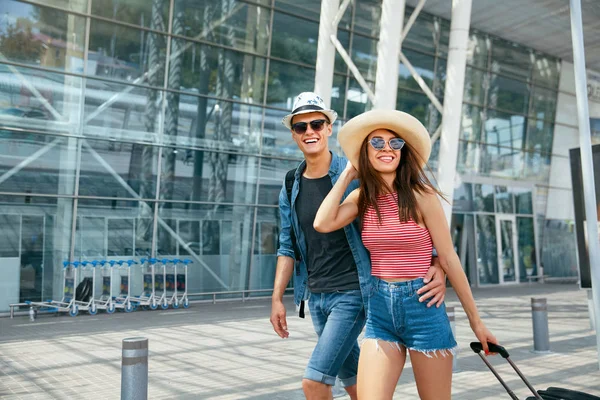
[[410, 178]]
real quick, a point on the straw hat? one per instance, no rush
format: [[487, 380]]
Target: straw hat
[[352, 135], [308, 102]]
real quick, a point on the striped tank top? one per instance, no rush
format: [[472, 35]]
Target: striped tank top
[[398, 249]]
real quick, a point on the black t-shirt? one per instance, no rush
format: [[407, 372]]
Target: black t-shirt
[[330, 262]]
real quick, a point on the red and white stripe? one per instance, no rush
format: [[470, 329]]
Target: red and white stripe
[[398, 249]]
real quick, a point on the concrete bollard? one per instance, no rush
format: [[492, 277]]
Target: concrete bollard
[[451, 317], [541, 336], [134, 369]]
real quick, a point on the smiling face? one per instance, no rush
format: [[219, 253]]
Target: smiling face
[[386, 160], [312, 142]]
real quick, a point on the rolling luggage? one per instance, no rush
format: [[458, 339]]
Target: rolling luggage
[[552, 393]]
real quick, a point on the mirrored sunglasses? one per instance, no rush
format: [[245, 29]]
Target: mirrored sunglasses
[[394, 143], [301, 127]]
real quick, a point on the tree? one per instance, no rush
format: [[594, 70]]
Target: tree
[[19, 44]]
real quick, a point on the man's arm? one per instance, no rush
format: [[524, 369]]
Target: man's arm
[[283, 274]]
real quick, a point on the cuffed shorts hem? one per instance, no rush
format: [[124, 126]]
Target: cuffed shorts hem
[[317, 376]]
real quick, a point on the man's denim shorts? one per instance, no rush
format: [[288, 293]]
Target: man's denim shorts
[[395, 315], [338, 318]]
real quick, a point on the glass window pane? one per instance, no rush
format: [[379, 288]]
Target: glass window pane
[[149, 14], [476, 81], [469, 157], [118, 52], [90, 237], [505, 130], [358, 100], [214, 71], [190, 175], [419, 106], [272, 174], [294, 39], [487, 256], [540, 136], [546, 71], [508, 94], [10, 228], [42, 37], [367, 17], [507, 250], [49, 163], [463, 198], [364, 56], [243, 26], [54, 108], [537, 166], [471, 122], [286, 81], [338, 94], [523, 200], [478, 49], [277, 139], [310, 9], [117, 169], [424, 34], [511, 59], [221, 258], [205, 123], [527, 256], [340, 64], [118, 111], [423, 64], [504, 200], [500, 162], [483, 198], [120, 237], [544, 104]]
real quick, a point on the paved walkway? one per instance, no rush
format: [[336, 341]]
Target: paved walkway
[[229, 351]]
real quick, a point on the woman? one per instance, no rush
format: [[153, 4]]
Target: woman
[[402, 219]]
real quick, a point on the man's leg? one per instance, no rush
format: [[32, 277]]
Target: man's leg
[[338, 319]]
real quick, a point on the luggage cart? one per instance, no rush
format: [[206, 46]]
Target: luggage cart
[[182, 282], [67, 303], [124, 298], [89, 305], [172, 284], [552, 393], [162, 284], [148, 297]]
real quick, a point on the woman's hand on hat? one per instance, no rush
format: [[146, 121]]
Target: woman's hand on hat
[[350, 171]]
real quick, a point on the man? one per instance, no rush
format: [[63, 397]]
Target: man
[[334, 271]]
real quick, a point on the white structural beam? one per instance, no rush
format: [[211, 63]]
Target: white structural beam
[[421, 82], [357, 75], [587, 164], [388, 51], [452, 111], [412, 19], [330, 10]]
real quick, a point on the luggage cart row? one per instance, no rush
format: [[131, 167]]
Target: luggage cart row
[[164, 285]]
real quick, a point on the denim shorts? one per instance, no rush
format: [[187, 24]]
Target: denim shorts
[[338, 318], [395, 315]]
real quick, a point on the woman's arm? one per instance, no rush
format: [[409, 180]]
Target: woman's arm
[[332, 215], [435, 220]]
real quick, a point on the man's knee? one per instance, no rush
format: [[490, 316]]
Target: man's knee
[[316, 390]]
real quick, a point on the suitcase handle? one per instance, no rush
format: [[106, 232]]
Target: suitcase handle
[[494, 348]]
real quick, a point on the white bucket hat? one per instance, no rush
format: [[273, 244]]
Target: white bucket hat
[[308, 102]]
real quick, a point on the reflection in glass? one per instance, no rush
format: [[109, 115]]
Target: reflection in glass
[[483, 197], [357, 99], [117, 169], [294, 39], [364, 56], [424, 34], [120, 237], [463, 236], [35, 163], [504, 130], [504, 200], [472, 117], [540, 136], [476, 83], [487, 258], [272, 174], [419, 106], [463, 198], [523, 200], [309, 9], [478, 49], [214, 71], [507, 251], [511, 59], [135, 12], [537, 166], [32, 257], [546, 71], [118, 52], [367, 17], [286, 81], [423, 64], [544, 104], [43, 36], [527, 256], [508, 94]]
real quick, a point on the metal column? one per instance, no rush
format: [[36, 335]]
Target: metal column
[[451, 118], [388, 51], [587, 166], [326, 50]]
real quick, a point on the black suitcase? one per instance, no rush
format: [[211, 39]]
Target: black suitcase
[[552, 393]]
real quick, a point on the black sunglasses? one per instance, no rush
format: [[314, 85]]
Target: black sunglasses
[[379, 143], [316, 125]]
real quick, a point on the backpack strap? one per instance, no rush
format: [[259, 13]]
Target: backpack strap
[[289, 184]]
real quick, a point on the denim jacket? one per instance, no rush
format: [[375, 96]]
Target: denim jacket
[[289, 220]]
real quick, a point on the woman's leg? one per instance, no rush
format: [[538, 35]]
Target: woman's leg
[[433, 374], [379, 368]]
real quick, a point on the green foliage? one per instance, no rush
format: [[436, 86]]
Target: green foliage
[[19, 44]]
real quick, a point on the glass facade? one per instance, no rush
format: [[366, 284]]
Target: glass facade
[[131, 128]]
